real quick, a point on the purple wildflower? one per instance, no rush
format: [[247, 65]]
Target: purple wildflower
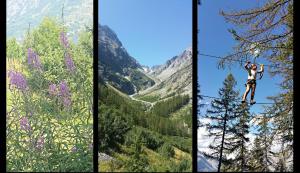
[[24, 123], [74, 149], [65, 94], [64, 40], [17, 80], [40, 142], [33, 59], [52, 89], [64, 90], [69, 62]]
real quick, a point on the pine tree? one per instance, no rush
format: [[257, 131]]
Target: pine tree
[[283, 156], [200, 105], [239, 140], [222, 114], [256, 156], [263, 145], [270, 29]]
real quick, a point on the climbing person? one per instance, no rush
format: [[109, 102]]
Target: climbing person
[[251, 82]]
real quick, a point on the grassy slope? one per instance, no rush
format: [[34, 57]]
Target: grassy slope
[[182, 147], [156, 160]]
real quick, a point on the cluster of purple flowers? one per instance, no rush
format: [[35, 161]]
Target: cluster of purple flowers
[[24, 123], [69, 62], [52, 89], [17, 80], [68, 59], [64, 40], [62, 91], [65, 93], [33, 59]]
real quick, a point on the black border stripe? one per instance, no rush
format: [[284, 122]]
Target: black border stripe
[[95, 103], [3, 90], [194, 83]]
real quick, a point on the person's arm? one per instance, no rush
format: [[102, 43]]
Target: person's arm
[[246, 65], [261, 68], [261, 71]]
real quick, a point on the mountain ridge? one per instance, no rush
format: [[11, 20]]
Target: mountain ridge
[[117, 67]]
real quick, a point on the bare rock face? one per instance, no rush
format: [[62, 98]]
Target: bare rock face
[[117, 67], [174, 77], [123, 72]]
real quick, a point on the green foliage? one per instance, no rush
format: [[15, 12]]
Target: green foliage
[[148, 138], [270, 27], [167, 150], [239, 140], [164, 108], [222, 114], [112, 127], [137, 162], [67, 131], [147, 133], [185, 165], [148, 98], [183, 143], [13, 49], [165, 126], [256, 161]]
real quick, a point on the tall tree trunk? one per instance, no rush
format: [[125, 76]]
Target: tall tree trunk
[[222, 143]]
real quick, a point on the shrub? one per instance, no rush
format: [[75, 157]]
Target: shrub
[[49, 102], [167, 150]]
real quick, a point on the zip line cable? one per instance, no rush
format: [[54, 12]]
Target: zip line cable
[[261, 103], [219, 57]]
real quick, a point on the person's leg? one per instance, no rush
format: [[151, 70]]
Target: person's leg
[[253, 93], [246, 93]]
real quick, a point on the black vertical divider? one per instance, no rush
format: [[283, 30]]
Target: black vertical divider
[[3, 89], [194, 82], [95, 92]]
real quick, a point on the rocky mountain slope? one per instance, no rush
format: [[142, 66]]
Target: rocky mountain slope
[[173, 77], [117, 67]]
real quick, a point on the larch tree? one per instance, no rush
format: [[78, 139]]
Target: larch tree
[[263, 159], [238, 144], [256, 159], [269, 29], [222, 113]]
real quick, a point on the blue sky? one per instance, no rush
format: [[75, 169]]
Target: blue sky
[[151, 31], [216, 40]]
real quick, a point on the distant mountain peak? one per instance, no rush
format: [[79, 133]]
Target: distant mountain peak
[[173, 64]]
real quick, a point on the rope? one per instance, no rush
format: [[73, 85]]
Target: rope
[[212, 97], [218, 57]]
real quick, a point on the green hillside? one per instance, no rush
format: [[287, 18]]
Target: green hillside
[[140, 140]]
